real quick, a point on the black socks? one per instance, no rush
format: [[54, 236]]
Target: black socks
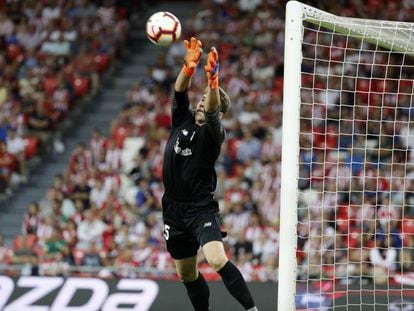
[[199, 293], [236, 285]]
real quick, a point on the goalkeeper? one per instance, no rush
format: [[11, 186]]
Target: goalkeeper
[[190, 211]]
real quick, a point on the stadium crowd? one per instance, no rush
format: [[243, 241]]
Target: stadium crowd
[[53, 53], [356, 172], [88, 219]]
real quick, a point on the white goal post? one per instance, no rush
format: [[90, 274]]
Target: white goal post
[[348, 107]]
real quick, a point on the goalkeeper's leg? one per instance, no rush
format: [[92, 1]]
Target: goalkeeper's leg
[[232, 278], [196, 285]]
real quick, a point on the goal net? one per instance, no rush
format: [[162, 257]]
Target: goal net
[[347, 192]]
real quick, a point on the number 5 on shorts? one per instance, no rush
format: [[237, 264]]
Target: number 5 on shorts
[[166, 232]]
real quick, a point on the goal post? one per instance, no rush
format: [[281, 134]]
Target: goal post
[[347, 178], [290, 160]]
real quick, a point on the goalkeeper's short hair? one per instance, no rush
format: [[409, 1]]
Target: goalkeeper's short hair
[[225, 102]]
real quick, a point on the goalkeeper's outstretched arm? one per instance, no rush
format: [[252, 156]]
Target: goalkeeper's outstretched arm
[[183, 82], [217, 102], [193, 55], [212, 102]]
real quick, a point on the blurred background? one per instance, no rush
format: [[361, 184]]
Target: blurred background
[[85, 114]]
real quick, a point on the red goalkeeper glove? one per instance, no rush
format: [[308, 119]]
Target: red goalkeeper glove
[[212, 69], [193, 55]]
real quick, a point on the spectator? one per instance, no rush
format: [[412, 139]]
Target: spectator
[[141, 252], [92, 258], [246, 267], [96, 145], [383, 259], [31, 219], [122, 236], [66, 256], [264, 247], [249, 148], [5, 252], [7, 163], [6, 25], [61, 99], [16, 147], [80, 160], [50, 11], [269, 208], [98, 193], [39, 123], [4, 126], [268, 272], [107, 13], [86, 9], [90, 230], [59, 47], [238, 218], [45, 229], [81, 191], [69, 234], [111, 254], [249, 114], [125, 264], [407, 254], [243, 248], [29, 37], [54, 245], [24, 254], [113, 155]]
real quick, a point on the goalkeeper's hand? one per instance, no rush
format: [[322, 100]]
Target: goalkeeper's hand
[[212, 68], [192, 56]]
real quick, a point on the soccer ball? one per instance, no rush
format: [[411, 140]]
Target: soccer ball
[[163, 28]]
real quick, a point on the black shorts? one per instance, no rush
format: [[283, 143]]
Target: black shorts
[[187, 226]]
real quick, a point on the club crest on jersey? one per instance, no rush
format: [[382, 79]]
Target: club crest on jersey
[[178, 150], [185, 132]]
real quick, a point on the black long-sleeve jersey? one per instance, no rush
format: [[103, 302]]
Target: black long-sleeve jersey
[[190, 154]]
